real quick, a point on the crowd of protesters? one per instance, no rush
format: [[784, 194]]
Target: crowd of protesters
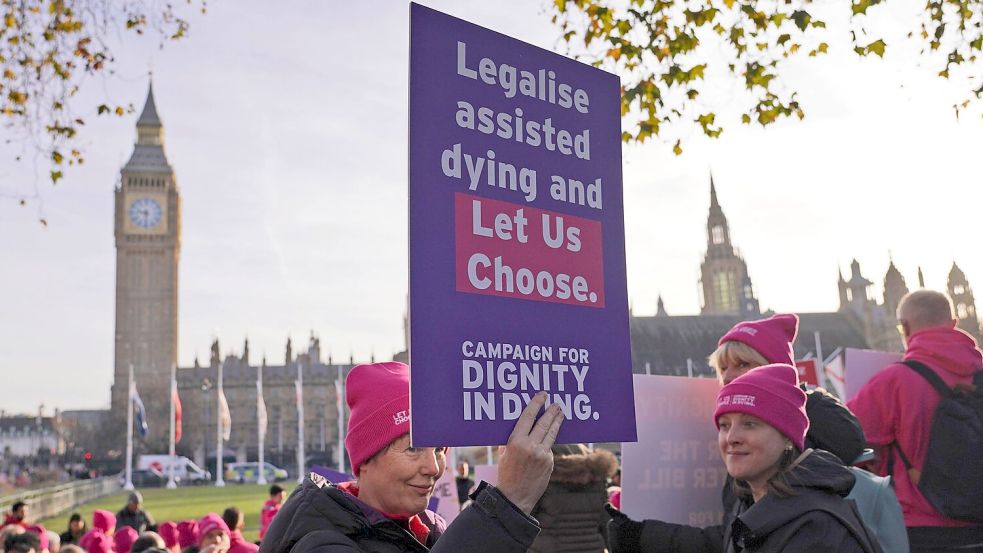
[[806, 472]]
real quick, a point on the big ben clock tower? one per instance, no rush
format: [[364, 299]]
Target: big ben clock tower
[[148, 246]]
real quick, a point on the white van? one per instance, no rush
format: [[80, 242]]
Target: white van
[[185, 470]]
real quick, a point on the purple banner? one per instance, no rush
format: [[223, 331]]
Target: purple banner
[[517, 251]]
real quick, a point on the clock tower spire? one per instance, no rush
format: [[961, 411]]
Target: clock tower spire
[[148, 246]]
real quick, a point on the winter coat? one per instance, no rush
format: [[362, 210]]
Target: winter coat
[[897, 405], [266, 514], [320, 517], [238, 544], [139, 520], [659, 536], [814, 518], [571, 511]]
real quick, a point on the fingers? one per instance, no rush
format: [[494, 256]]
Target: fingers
[[554, 428], [545, 423], [528, 416]]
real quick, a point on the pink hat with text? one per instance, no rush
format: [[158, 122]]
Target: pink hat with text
[[771, 337], [378, 396], [772, 394]]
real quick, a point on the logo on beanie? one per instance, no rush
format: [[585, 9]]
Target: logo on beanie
[[747, 330], [401, 417], [738, 399]]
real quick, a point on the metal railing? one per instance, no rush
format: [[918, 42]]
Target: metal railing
[[50, 501]]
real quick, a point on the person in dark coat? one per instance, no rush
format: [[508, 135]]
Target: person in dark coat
[[571, 511], [75, 531], [789, 500], [749, 344], [134, 516], [384, 510]]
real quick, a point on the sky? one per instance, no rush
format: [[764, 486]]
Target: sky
[[286, 126]]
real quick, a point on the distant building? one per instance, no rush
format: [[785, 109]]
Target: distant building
[[27, 436], [667, 344]]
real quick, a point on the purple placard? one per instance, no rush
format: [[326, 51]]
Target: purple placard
[[517, 251]]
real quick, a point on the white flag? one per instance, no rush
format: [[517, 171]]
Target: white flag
[[225, 416], [260, 410]]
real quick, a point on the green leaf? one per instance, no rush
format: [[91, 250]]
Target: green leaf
[[55, 175], [677, 149], [801, 19]]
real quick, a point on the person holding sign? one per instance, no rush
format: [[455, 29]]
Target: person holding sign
[[385, 509]]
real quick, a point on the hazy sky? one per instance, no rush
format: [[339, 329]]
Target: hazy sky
[[286, 125]]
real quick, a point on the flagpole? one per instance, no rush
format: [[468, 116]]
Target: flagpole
[[340, 400], [300, 423], [128, 485], [219, 479], [171, 484], [260, 432]]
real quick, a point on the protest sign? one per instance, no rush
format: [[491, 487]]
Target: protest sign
[[860, 365], [674, 471], [807, 372], [488, 473], [445, 492], [517, 256]]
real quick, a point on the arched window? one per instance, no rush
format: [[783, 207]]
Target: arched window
[[717, 234]]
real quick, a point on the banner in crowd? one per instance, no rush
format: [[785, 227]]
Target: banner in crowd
[[445, 494], [674, 471], [808, 373], [517, 254], [860, 365]]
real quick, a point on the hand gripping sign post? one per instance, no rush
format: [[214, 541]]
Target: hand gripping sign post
[[517, 253]]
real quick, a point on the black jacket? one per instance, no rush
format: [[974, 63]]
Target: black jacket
[[139, 520], [815, 518], [319, 517]]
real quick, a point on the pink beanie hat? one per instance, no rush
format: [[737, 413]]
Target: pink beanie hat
[[211, 522], [123, 539], [104, 520], [187, 532], [168, 531], [772, 394], [42, 535], [771, 337], [96, 541], [379, 399]]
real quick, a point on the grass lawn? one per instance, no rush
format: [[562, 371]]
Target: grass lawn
[[184, 503]]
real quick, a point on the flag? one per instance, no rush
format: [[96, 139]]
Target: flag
[[176, 400], [141, 421], [225, 416], [260, 410]]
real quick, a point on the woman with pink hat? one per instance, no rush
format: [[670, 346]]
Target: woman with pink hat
[[791, 498], [385, 509]]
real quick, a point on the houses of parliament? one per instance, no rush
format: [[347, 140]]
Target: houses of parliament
[[148, 246]]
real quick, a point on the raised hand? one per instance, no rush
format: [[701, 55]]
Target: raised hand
[[527, 461]]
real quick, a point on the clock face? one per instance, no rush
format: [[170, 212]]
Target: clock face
[[145, 213]]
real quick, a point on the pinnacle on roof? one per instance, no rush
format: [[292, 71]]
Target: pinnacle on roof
[[149, 115], [713, 194], [955, 272]]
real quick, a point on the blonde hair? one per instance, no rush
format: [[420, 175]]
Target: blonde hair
[[732, 352]]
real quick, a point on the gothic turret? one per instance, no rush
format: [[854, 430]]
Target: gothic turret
[[894, 288], [963, 300], [724, 278]]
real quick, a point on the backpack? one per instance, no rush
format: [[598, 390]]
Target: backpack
[[952, 478]]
